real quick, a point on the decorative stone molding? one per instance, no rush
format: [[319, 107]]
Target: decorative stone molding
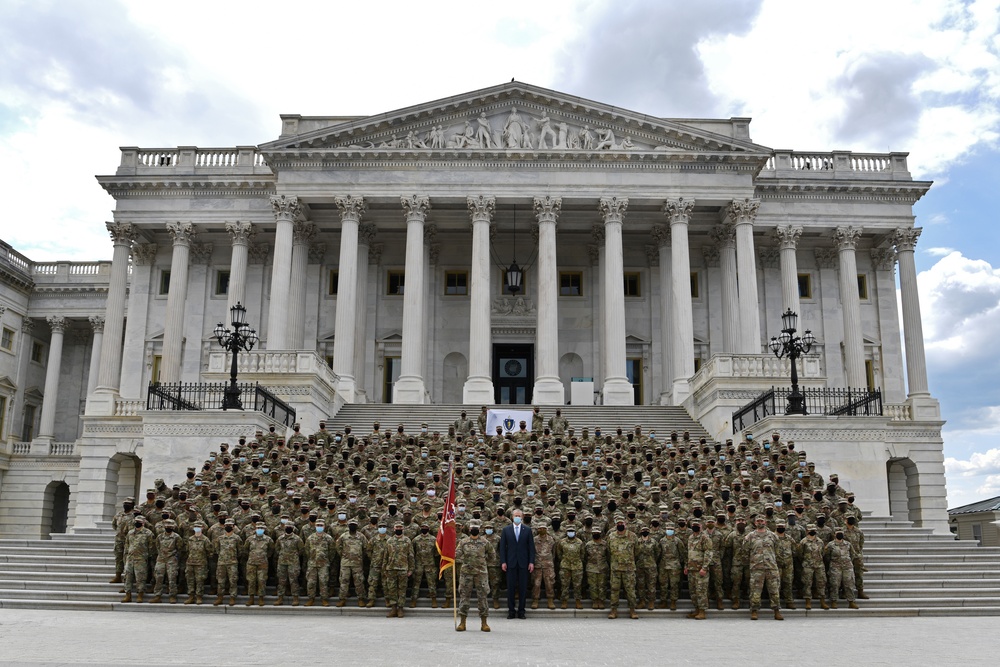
[[434, 253], [303, 232], [430, 233], [242, 232], [143, 254], [743, 210], [97, 323], [317, 252], [201, 253], [57, 323], [788, 236], [883, 259], [652, 255], [415, 207], [27, 325], [724, 236], [594, 251], [678, 210], [183, 233], [258, 252], [905, 238], [375, 253], [366, 233], [122, 233], [768, 257], [351, 207], [597, 233], [286, 207], [517, 306], [80, 337], [826, 258], [481, 208], [661, 235], [3, 309], [710, 253], [613, 209], [847, 237], [493, 232]]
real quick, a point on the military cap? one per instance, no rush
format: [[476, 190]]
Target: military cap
[[710, 519], [130, 499], [398, 524], [352, 521], [477, 524], [383, 522], [811, 526], [260, 524], [198, 524]]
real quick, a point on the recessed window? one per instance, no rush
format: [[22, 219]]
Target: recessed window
[[697, 364], [503, 282], [157, 362], [456, 283], [332, 282], [805, 285], [395, 282], [37, 350], [329, 360], [870, 374], [632, 284], [695, 290], [7, 339], [570, 283], [28, 426], [3, 415], [221, 283], [164, 282], [863, 287]]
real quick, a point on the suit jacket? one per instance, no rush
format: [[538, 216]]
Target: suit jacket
[[517, 553]]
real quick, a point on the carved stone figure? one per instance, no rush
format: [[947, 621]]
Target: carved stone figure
[[545, 130], [607, 140], [484, 135], [586, 138], [514, 130], [561, 140]]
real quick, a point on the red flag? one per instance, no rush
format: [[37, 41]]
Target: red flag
[[446, 532]]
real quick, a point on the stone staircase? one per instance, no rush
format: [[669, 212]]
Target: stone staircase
[[911, 573]]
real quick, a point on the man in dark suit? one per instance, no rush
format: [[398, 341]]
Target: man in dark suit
[[517, 559]]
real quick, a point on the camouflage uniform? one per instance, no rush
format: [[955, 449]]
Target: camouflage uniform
[[425, 567], [571, 552], [199, 550], [700, 552], [493, 562], [319, 555], [398, 564], [673, 556], [376, 564], [352, 547], [597, 569], [647, 551], [122, 522], [621, 547], [227, 546], [784, 550], [258, 550], [545, 568], [813, 569], [741, 566], [854, 535], [139, 544], [763, 569], [471, 553], [288, 551], [841, 556]]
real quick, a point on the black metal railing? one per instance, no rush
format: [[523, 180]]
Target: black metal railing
[[209, 396], [848, 402]]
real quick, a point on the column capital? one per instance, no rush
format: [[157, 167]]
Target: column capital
[[678, 210], [143, 254], [883, 259], [258, 252], [286, 207], [768, 256], [661, 234], [27, 325], [724, 235], [547, 208], [826, 258], [743, 211], [201, 253], [481, 208], [847, 237], [243, 232], [182, 232], [122, 233], [317, 252], [366, 233], [97, 323], [613, 209], [303, 232], [57, 323], [375, 253], [788, 236], [905, 238], [352, 208], [597, 233], [652, 255], [710, 253], [415, 207]]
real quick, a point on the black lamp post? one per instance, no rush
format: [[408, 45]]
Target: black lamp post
[[242, 337], [514, 273], [791, 346]]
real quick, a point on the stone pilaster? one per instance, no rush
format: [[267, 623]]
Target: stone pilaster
[[410, 387], [617, 389], [847, 238], [344, 349], [183, 234], [479, 385], [548, 389], [743, 213], [47, 423], [287, 210], [678, 212], [97, 324]]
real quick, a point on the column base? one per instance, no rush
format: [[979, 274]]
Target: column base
[[617, 391], [346, 389], [409, 391], [40, 445], [682, 389], [666, 398], [101, 403], [548, 391], [478, 390], [924, 407]]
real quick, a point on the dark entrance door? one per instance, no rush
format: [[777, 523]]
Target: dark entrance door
[[513, 373]]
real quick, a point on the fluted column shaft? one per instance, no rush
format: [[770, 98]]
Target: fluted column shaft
[[242, 233], [725, 238], [617, 389], [548, 389], [286, 211], [302, 234], [122, 233], [678, 212], [479, 385], [854, 352], [173, 329], [410, 387], [661, 234], [351, 210], [788, 239], [47, 423], [366, 235], [97, 323], [913, 330], [743, 213]]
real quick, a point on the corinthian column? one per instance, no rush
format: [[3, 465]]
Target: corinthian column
[[661, 234], [725, 240], [788, 240], [905, 240], [854, 352], [617, 389], [743, 212], [242, 233], [173, 330], [548, 389], [286, 211], [678, 212], [302, 235], [410, 387], [479, 385], [47, 423], [122, 234], [366, 237], [351, 210], [97, 323]]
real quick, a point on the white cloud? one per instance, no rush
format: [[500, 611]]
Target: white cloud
[[977, 465], [939, 252], [960, 308]]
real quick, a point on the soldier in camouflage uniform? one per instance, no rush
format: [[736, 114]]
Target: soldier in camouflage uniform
[[227, 545], [139, 544], [813, 568], [715, 565], [259, 548], [621, 547], [397, 562], [741, 561], [122, 522], [597, 568], [571, 551], [319, 554], [492, 537], [784, 550], [169, 547], [673, 557], [700, 552], [545, 567], [199, 550], [288, 551], [471, 553], [762, 545], [841, 555], [376, 561], [854, 535], [425, 565], [352, 546], [647, 554]]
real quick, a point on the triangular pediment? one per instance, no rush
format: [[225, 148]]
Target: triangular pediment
[[7, 385], [516, 118]]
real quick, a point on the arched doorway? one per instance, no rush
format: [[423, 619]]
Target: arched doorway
[[124, 476], [904, 498], [55, 508]]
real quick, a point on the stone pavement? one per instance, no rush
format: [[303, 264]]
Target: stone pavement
[[80, 637]]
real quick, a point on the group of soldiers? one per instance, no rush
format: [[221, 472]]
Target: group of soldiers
[[621, 513]]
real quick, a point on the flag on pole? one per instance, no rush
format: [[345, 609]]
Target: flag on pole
[[446, 532]]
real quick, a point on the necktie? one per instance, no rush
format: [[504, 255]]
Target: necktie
[[517, 534]]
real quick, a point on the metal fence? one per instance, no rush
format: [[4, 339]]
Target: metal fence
[[835, 402], [210, 395]]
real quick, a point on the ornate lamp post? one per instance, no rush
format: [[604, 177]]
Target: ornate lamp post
[[792, 346], [242, 337], [514, 273]]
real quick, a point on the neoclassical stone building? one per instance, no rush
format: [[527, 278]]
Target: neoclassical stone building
[[375, 257]]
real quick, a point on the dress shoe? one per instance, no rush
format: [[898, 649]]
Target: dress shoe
[[511, 614]]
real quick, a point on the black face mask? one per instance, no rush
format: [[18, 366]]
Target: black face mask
[[424, 531], [352, 529], [840, 536], [398, 531], [620, 527], [288, 531], [229, 529], [695, 529]]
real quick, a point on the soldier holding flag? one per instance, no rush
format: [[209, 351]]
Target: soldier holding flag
[[446, 533]]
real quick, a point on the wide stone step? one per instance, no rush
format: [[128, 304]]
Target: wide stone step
[[916, 601], [101, 576], [34, 550], [924, 583], [35, 565], [901, 573], [948, 551], [931, 566], [73, 595], [100, 585], [67, 560], [927, 592]]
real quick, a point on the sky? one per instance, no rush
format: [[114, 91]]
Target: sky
[[79, 79]]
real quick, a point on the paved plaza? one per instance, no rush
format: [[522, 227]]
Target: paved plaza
[[80, 637]]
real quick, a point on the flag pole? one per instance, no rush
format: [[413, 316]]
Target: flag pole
[[454, 598]]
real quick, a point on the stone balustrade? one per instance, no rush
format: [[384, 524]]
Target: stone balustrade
[[898, 412], [129, 407], [49, 449], [837, 164], [69, 270], [21, 448], [764, 366], [191, 159], [266, 362]]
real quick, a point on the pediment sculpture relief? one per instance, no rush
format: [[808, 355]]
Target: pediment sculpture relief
[[517, 306]]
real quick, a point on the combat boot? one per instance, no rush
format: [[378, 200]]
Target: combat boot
[[862, 595], [700, 616], [127, 598], [790, 605], [852, 605], [631, 613], [650, 606], [280, 601], [552, 605], [371, 602], [399, 612], [325, 602], [692, 613], [594, 603], [823, 604], [534, 603], [190, 599], [718, 603], [341, 602], [295, 600], [232, 600], [391, 613], [461, 625], [156, 600], [673, 605], [260, 601], [778, 616], [117, 579], [579, 603], [361, 601], [613, 614], [139, 597], [413, 603], [753, 615], [565, 604], [251, 600], [496, 603], [172, 599], [434, 602], [484, 626], [809, 603], [833, 603], [736, 603], [448, 602], [218, 601], [310, 602]]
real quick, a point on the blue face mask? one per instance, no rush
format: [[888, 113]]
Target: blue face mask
[[489, 531], [670, 532], [320, 529], [197, 482], [260, 531], [517, 521], [570, 534], [382, 530]]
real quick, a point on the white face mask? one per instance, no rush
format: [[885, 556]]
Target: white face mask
[[431, 493]]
